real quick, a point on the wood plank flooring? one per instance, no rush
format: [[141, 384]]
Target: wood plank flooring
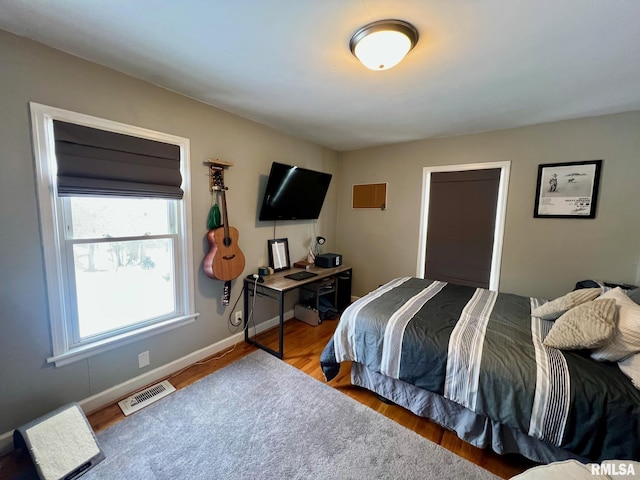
[[302, 346]]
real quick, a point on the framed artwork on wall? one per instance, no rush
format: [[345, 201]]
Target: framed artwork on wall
[[567, 190], [279, 254]]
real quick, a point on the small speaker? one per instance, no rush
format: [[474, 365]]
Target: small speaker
[[328, 260]]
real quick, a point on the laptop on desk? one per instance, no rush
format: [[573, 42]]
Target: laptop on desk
[[300, 275]]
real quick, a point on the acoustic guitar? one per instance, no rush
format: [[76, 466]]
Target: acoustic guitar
[[207, 263], [228, 259]]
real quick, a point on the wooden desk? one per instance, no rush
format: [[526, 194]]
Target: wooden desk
[[275, 286]]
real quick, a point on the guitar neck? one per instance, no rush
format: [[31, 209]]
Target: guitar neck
[[225, 219]]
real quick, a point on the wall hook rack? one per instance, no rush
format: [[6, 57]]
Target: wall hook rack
[[216, 166]]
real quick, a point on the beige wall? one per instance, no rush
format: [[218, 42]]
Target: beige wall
[[541, 257], [30, 72]]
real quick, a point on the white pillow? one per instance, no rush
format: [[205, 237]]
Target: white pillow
[[631, 368], [553, 309], [626, 339], [589, 325]]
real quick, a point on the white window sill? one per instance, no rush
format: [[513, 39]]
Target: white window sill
[[79, 353]]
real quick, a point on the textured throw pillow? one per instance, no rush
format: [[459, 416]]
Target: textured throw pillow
[[626, 339], [631, 368], [589, 325], [553, 309]]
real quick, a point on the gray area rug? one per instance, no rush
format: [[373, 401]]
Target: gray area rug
[[260, 418]]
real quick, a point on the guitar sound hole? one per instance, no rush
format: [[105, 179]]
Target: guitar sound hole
[[227, 241]]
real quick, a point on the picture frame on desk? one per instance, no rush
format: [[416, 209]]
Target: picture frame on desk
[[279, 254]]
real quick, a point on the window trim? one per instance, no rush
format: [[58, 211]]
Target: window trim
[[49, 205]]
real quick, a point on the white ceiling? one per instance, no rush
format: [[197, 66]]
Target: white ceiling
[[479, 64]]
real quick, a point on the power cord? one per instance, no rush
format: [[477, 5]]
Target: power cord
[[233, 309], [246, 326]]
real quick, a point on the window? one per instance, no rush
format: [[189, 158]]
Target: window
[[118, 265]]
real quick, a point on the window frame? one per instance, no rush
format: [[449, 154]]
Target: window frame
[[56, 261]]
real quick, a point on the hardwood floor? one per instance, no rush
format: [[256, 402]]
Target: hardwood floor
[[303, 345]]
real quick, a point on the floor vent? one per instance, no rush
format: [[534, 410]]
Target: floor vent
[[146, 397]]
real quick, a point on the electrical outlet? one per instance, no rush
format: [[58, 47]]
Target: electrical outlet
[[237, 318], [143, 359]]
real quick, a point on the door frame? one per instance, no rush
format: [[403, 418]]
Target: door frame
[[501, 211]]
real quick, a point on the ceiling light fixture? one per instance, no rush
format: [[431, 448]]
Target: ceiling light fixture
[[383, 44]]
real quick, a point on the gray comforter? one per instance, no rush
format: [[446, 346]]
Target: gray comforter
[[483, 350]]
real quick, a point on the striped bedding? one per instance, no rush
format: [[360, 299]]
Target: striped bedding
[[483, 350]]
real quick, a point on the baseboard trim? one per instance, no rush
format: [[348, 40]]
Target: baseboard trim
[[124, 389]]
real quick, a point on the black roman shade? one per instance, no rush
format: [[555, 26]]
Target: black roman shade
[[98, 162]]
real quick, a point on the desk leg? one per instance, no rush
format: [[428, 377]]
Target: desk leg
[[253, 341], [246, 312], [281, 340]]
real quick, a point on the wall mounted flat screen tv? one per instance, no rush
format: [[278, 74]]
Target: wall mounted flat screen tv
[[294, 193]]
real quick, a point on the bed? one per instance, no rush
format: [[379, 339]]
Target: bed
[[474, 361]]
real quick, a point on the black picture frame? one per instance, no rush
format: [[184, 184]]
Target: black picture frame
[[567, 190], [279, 254]]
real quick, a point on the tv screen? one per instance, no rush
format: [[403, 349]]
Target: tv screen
[[293, 193]]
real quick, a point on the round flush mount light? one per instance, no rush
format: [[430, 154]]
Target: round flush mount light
[[383, 44]]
